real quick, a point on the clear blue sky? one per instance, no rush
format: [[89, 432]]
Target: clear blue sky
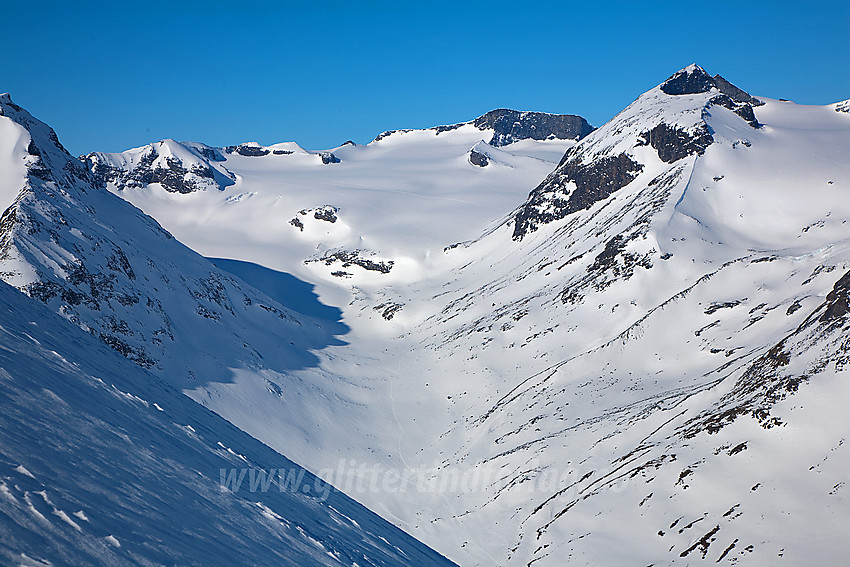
[[113, 75]]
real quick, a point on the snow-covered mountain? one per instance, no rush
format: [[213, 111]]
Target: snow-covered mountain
[[380, 193], [506, 126], [116, 273], [642, 321], [103, 461], [103, 464], [606, 347], [176, 167]]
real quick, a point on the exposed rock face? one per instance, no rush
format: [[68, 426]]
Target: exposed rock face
[[478, 158], [511, 126], [734, 92], [326, 213], [694, 80], [673, 143], [691, 80], [837, 304], [328, 157], [350, 258], [247, 150], [742, 109], [177, 167], [553, 199], [211, 154]]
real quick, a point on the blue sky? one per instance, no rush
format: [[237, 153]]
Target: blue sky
[[113, 75]]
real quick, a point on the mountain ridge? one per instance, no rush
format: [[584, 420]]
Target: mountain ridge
[[670, 319], [510, 126]]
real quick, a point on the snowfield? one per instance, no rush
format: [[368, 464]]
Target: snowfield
[[625, 347]]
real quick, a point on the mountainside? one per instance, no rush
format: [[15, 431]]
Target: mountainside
[[626, 346], [509, 126], [116, 273], [636, 326], [584, 356], [103, 464], [379, 193]]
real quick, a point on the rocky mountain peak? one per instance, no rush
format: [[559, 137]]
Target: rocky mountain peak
[[691, 80], [511, 126], [179, 167], [607, 159], [50, 160]]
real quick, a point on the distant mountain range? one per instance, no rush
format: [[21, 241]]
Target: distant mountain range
[[621, 345]]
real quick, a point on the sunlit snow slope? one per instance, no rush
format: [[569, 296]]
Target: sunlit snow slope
[[376, 196], [615, 359], [101, 461], [641, 361]]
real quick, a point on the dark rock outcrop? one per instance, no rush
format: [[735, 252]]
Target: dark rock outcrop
[[327, 213], [478, 158], [733, 92], [510, 126], [691, 80], [673, 144], [328, 157], [211, 154], [694, 80], [594, 181], [247, 150], [742, 109], [353, 258], [838, 300], [296, 222]]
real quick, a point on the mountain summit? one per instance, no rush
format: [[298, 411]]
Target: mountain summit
[[509, 126], [604, 162], [101, 461], [625, 347], [116, 273]]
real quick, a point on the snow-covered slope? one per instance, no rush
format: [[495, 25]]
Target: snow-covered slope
[[669, 276], [582, 356], [645, 361], [116, 273], [103, 464], [380, 194]]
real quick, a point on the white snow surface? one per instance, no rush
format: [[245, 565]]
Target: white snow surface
[[140, 490], [85, 432], [659, 378], [382, 192]]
